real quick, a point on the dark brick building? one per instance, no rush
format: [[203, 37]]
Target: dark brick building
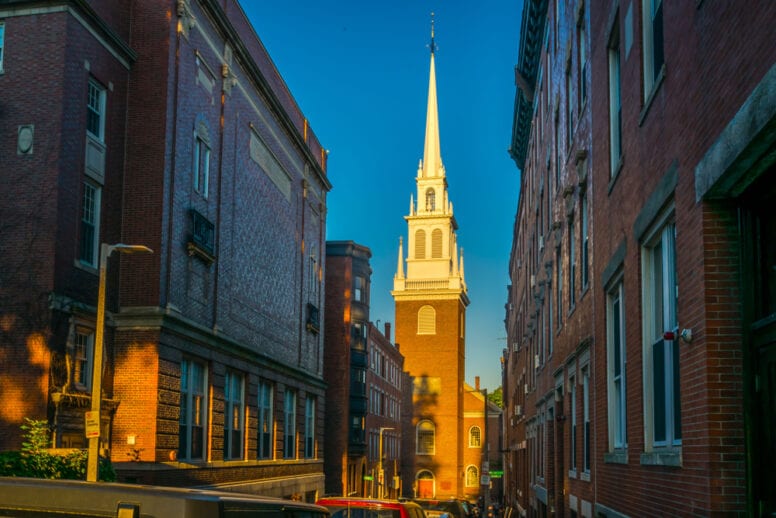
[[365, 379], [162, 123], [661, 236]]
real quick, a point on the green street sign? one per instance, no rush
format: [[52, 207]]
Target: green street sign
[[368, 477], [496, 473]]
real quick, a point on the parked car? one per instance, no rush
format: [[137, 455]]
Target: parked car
[[346, 507], [43, 498], [451, 506]]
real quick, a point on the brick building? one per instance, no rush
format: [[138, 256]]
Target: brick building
[[430, 304], [162, 123], [651, 392]]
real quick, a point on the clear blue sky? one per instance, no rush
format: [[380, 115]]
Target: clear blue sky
[[359, 72]]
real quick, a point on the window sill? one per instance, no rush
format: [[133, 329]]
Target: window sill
[[572, 473], [616, 457], [585, 476], [667, 457]]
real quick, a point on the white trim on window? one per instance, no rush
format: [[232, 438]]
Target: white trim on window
[[615, 372]]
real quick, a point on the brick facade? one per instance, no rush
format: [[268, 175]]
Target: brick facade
[[675, 317], [235, 281]]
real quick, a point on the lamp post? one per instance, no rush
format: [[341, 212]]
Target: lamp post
[[94, 438], [380, 474]]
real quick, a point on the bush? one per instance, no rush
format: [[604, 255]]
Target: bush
[[34, 460]]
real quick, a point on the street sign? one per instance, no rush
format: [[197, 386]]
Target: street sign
[[92, 424], [485, 480], [496, 473], [368, 477]]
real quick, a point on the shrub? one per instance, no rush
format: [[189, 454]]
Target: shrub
[[34, 460]]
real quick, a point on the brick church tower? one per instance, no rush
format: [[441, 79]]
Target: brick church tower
[[430, 301]]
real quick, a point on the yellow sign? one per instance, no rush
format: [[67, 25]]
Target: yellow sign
[[92, 424]]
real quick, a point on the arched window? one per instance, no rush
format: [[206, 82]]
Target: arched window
[[436, 243], [474, 437], [420, 244], [430, 200], [425, 432], [426, 320], [472, 476]]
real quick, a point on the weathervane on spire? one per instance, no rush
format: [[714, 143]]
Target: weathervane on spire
[[432, 46]]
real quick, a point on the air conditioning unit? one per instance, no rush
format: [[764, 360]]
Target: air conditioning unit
[[519, 410], [541, 243], [533, 280], [536, 361], [515, 346], [525, 388]]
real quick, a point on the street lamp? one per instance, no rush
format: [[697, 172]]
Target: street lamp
[[380, 474], [94, 438]]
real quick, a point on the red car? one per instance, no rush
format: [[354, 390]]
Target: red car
[[345, 507]]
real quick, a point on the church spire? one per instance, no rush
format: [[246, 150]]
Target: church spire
[[432, 155]]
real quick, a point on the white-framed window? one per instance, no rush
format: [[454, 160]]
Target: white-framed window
[[201, 160], [615, 103], [359, 288], [559, 285], [426, 438], [426, 320], [309, 427], [663, 424], [90, 224], [475, 437], [582, 60], [586, 446], [569, 109], [289, 424], [83, 357], [2, 43], [652, 34], [616, 359], [266, 422], [472, 476], [573, 431], [95, 111], [234, 415], [192, 427]]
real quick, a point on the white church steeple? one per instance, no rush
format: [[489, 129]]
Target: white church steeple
[[431, 243]]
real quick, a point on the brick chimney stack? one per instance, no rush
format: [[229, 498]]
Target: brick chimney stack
[[388, 331], [477, 383]]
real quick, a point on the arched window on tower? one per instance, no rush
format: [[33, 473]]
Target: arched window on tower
[[474, 437], [425, 432], [436, 243], [430, 200], [427, 320], [420, 244], [472, 476]]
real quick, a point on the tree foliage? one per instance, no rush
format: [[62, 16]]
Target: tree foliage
[[36, 461], [496, 397]]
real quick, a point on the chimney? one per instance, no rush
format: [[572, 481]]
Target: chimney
[[388, 331], [477, 383]]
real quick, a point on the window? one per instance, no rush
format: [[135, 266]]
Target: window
[[265, 446], [585, 239], [569, 109], [615, 103], [90, 224], [573, 432], [557, 152], [425, 438], [662, 356], [572, 263], [309, 427], [474, 437], [436, 243], [615, 338], [430, 200], [420, 244], [95, 111], [289, 424], [652, 21], [201, 163], [582, 62], [2, 44], [586, 419], [426, 320], [83, 351], [472, 476], [193, 411], [234, 412], [359, 289], [559, 286]]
